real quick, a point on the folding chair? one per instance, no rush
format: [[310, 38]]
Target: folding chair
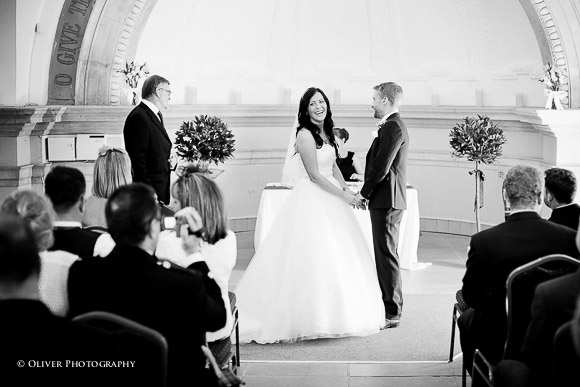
[[136, 340], [222, 349], [97, 229], [482, 371], [520, 287], [458, 308]]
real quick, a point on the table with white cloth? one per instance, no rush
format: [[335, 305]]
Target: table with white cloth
[[275, 194]]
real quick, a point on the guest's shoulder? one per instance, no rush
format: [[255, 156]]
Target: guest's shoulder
[[568, 282], [176, 272]]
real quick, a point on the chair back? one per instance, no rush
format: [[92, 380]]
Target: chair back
[[138, 342], [520, 287], [97, 229]]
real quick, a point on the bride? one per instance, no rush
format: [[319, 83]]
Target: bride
[[313, 275]]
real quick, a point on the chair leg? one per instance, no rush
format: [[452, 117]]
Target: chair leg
[[237, 340], [452, 346]]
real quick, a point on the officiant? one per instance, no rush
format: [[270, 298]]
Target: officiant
[[146, 139]]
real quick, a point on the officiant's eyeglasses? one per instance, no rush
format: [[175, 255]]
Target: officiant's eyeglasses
[[168, 91]]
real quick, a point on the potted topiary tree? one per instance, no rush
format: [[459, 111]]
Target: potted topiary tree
[[204, 141], [480, 140]]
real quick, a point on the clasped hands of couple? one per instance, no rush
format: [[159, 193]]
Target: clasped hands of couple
[[355, 200]]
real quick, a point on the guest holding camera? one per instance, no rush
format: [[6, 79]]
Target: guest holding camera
[[218, 248], [112, 170], [349, 165], [181, 304]]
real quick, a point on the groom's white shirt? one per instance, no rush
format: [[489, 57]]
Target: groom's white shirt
[[381, 122]]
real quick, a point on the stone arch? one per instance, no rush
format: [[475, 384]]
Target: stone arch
[[557, 36], [111, 35], [115, 27]]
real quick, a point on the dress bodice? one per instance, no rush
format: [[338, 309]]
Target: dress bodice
[[325, 155]]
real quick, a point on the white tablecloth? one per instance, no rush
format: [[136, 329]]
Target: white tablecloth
[[274, 196]]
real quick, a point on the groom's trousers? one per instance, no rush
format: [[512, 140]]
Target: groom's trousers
[[385, 225]]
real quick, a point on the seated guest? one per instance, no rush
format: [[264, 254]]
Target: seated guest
[[567, 352], [560, 192], [496, 252], [66, 188], [553, 305], [349, 165], [112, 170], [30, 334], [219, 249], [181, 304], [37, 211]]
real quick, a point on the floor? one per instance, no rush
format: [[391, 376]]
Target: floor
[[447, 253]]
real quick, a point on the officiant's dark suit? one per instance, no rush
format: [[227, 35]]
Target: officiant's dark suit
[[146, 139], [385, 189], [182, 304], [494, 253]]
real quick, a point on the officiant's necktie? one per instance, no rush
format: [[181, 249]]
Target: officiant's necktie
[[161, 119]]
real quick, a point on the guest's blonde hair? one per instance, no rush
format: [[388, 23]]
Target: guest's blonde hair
[[195, 189], [112, 170], [37, 210]]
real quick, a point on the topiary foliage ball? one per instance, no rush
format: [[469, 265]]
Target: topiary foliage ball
[[477, 139], [205, 139]]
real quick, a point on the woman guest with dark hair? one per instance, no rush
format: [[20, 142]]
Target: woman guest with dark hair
[[349, 165], [313, 275], [112, 170], [219, 248]]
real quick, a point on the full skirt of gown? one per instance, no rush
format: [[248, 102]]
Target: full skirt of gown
[[312, 276]]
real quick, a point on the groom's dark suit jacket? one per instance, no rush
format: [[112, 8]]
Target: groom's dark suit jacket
[[386, 166], [149, 148]]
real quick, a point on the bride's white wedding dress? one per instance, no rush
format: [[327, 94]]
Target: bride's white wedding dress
[[313, 275]]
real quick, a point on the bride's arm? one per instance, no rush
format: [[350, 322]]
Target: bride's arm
[[307, 149], [338, 176]]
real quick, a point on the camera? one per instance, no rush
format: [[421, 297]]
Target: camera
[[173, 223]]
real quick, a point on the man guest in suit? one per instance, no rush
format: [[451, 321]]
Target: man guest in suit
[[560, 192], [385, 189], [181, 304], [66, 187], [146, 139], [494, 253]]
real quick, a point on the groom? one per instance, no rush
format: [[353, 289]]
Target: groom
[[385, 189]]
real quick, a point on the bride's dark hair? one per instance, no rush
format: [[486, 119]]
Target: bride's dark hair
[[305, 122]]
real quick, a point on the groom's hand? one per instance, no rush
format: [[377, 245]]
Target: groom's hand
[[362, 202]]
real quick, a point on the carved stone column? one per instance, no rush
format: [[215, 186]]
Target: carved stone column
[[21, 131]]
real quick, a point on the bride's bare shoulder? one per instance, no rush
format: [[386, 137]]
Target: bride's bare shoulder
[[304, 133]]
